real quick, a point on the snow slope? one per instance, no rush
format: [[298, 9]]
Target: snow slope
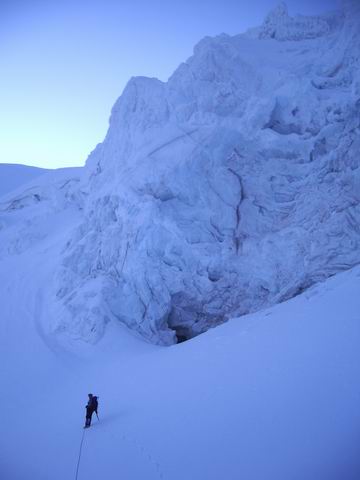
[[274, 396], [14, 176], [34, 211], [230, 188]]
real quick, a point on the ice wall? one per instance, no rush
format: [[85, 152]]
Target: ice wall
[[233, 186]]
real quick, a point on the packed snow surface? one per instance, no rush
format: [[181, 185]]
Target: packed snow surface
[[271, 396]]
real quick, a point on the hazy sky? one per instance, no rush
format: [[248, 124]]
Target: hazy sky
[[63, 63]]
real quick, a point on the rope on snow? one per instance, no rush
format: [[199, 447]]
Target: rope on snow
[[78, 463]]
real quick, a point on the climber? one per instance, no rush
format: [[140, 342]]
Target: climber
[[91, 407]]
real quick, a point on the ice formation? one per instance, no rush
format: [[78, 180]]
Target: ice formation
[[233, 186]]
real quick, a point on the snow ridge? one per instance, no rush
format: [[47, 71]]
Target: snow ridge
[[280, 26]]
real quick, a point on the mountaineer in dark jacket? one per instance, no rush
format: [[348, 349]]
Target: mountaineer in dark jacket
[[91, 407]]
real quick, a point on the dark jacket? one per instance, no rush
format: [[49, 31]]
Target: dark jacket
[[91, 406]]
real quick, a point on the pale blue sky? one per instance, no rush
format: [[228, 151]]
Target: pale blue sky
[[63, 63]]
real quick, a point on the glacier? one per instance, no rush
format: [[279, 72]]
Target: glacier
[[13, 176], [231, 187], [272, 395]]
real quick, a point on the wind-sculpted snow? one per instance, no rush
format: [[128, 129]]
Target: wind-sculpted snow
[[279, 25], [30, 215], [233, 186]]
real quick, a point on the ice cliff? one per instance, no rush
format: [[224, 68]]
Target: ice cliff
[[232, 186]]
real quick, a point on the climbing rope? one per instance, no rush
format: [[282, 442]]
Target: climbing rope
[[78, 463]]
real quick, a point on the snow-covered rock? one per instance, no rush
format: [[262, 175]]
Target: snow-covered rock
[[233, 186]]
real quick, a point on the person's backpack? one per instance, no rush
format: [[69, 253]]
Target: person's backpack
[[94, 403]]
